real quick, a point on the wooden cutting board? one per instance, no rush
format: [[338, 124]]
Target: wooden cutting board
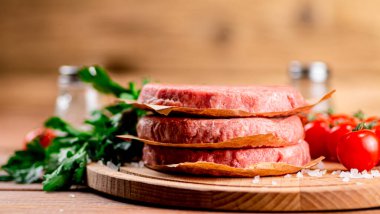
[[240, 194]]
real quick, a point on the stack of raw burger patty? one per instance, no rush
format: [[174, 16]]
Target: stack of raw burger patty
[[191, 129]]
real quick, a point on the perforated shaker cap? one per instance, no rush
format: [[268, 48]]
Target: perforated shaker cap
[[68, 74]]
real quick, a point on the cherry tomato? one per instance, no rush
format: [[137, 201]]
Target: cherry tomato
[[46, 136], [336, 119], [359, 150], [376, 130], [336, 133], [316, 134], [372, 119]]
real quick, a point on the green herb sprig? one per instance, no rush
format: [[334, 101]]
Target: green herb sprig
[[64, 161]]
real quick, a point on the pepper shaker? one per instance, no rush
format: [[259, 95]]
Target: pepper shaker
[[312, 81], [75, 100]]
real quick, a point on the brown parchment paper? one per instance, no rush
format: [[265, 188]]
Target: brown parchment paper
[[166, 110], [213, 169], [261, 140]]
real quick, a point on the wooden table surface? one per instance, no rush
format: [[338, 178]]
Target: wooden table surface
[[24, 108]]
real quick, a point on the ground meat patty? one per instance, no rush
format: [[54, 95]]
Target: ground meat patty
[[202, 130], [254, 99], [240, 158]]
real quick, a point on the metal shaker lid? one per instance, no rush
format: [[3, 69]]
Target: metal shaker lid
[[68, 74], [317, 71], [296, 70]]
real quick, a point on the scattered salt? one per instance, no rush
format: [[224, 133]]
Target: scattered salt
[[344, 174], [135, 164], [336, 172], [367, 176], [359, 183], [256, 179], [72, 195], [112, 165], [375, 173], [274, 183], [141, 164], [60, 210], [346, 179], [288, 176], [299, 175], [354, 171], [314, 173], [355, 174]]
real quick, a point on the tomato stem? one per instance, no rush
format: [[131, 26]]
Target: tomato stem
[[364, 125]]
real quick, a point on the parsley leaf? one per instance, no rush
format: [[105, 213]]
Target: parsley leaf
[[26, 166], [64, 161], [101, 81]]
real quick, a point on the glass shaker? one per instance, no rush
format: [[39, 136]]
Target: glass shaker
[[312, 81], [75, 100]]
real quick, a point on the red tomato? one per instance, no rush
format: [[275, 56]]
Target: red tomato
[[376, 129], [336, 119], [316, 134], [359, 150], [372, 119], [335, 135], [46, 136]]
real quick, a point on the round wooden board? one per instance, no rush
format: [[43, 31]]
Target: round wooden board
[[328, 192]]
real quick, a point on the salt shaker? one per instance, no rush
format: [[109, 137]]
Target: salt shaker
[[75, 100], [312, 81]]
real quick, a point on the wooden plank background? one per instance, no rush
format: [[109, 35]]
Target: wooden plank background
[[200, 41], [180, 35]]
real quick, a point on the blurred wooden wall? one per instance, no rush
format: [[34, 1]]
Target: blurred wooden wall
[[177, 36], [198, 41], [182, 41]]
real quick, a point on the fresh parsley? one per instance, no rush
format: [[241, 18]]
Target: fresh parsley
[[64, 161]]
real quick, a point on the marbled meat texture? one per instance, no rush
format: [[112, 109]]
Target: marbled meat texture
[[203, 130], [240, 158], [253, 99]]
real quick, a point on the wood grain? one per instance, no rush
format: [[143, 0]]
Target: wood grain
[[218, 36], [71, 202], [239, 194]]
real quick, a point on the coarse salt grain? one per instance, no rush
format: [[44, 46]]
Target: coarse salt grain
[[346, 179], [314, 173], [72, 195], [367, 176], [135, 164], [256, 179], [375, 173], [112, 165], [299, 175], [336, 172], [141, 164], [274, 183], [344, 174], [288, 176], [354, 171], [359, 183]]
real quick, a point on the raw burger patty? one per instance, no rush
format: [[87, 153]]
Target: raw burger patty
[[252, 99], [240, 158], [201, 130]]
